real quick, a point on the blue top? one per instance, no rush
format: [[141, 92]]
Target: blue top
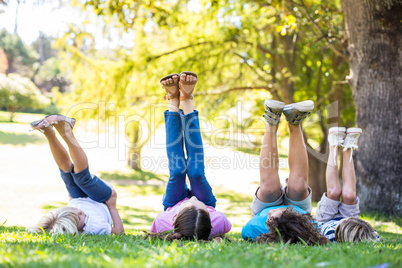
[[257, 225]]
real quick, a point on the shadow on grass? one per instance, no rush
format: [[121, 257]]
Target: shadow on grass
[[142, 190], [134, 218], [12, 138], [133, 176]]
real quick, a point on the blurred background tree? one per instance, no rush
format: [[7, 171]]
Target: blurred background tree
[[243, 51], [18, 93]]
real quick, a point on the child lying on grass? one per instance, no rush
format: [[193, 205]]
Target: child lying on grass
[[189, 213], [339, 220], [280, 214], [92, 207]]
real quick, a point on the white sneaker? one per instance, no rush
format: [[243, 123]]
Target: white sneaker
[[336, 137], [352, 136], [273, 111], [296, 112]]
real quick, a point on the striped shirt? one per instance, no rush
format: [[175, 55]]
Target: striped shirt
[[327, 229]]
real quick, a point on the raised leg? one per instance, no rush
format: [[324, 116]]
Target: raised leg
[[270, 186], [77, 154], [59, 153], [176, 189], [200, 187], [91, 185], [63, 161], [349, 179], [297, 189], [334, 189]]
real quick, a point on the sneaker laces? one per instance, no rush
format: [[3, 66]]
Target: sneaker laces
[[336, 151], [336, 142]]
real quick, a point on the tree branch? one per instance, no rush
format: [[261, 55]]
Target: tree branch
[[178, 49], [331, 46], [251, 67], [220, 92]]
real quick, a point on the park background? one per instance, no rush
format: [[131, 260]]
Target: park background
[[101, 61]]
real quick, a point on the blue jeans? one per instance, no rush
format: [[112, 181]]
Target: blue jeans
[[185, 129], [84, 184]]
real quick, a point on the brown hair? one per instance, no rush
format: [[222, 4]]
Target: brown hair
[[354, 230], [294, 228], [191, 223], [63, 220]]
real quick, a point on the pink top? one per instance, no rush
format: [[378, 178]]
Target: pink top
[[164, 221]]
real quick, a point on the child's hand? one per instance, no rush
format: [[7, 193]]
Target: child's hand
[[112, 200]]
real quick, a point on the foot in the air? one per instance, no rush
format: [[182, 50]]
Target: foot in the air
[[296, 112], [273, 111], [188, 80], [171, 84]]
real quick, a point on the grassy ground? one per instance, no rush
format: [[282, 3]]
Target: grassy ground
[[21, 249], [139, 190]]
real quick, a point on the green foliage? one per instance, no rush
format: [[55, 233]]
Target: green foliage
[[17, 92], [51, 75], [20, 56]]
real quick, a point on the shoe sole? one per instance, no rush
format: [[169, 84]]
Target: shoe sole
[[303, 106], [336, 129], [353, 130], [36, 123], [273, 104]]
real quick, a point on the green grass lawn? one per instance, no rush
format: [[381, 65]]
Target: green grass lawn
[[18, 248]]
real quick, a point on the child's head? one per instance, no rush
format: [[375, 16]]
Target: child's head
[[354, 230], [192, 220], [292, 227], [64, 220]]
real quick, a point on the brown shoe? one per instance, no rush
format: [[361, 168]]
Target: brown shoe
[[187, 95], [168, 88]]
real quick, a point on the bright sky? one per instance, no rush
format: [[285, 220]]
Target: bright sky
[[33, 18]]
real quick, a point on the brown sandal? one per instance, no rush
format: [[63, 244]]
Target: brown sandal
[[186, 95], [169, 95]]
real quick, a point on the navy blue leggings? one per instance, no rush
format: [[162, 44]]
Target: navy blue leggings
[[85, 184]]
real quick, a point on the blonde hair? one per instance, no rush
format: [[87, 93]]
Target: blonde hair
[[63, 220], [354, 230]]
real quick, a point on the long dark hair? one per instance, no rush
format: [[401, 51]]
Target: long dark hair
[[191, 224], [294, 228]]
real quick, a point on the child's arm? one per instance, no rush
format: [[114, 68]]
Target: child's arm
[[118, 227]]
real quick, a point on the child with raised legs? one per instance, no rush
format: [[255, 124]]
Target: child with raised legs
[[339, 219], [283, 214], [188, 213], [92, 206]]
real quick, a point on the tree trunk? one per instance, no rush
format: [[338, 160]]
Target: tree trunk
[[374, 32], [134, 158], [316, 171]]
